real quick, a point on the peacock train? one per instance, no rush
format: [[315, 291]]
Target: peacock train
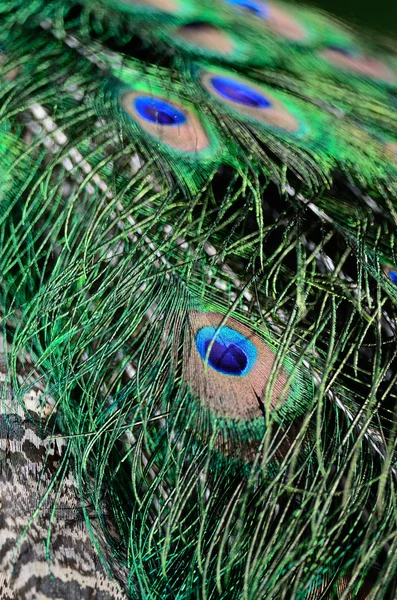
[[198, 301]]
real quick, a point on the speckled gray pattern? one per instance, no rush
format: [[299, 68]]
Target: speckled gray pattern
[[44, 553]]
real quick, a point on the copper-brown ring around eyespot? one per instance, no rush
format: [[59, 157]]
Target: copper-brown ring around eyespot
[[233, 397], [392, 147], [10, 76], [365, 66], [387, 268], [187, 137], [168, 6], [343, 584], [276, 115], [284, 25], [206, 37]]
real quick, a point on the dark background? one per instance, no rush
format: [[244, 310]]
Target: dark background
[[378, 15]]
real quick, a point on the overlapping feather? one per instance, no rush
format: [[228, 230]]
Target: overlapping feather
[[208, 306]]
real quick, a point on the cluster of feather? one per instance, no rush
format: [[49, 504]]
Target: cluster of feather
[[197, 248]]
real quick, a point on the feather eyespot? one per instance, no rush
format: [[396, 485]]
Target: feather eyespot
[[237, 381], [257, 8], [239, 93], [227, 351], [351, 60], [344, 51], [166, 120], [393, 276], [206, 37], [229, 368], [158, 111], [391, 273], [278, 19], [250, 100], [392, 148]]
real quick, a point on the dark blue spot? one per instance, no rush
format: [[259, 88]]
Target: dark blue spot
[[228, 359], [195, 25], [228, 352], [393, 276], [239, 93], [350, 53], [257, 8], [158, 111]]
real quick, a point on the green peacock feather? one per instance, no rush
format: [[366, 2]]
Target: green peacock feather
[[197, 248]]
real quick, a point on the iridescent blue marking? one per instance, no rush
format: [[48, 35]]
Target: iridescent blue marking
[[231, 353], [158, 111], [239, 93], [393, 276], [349, 52], [257, 8]]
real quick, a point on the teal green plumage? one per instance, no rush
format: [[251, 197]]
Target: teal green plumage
[[198, 205]]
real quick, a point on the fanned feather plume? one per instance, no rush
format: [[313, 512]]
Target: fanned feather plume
[[199, 287]]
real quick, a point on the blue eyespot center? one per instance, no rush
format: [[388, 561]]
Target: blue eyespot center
[[228, 359], [393, 276], [156, 110], [196, 25], [257, 8], [349, 52], [228, 352], [239, 93]]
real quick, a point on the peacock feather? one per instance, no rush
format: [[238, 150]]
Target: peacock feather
[[198, 302]]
